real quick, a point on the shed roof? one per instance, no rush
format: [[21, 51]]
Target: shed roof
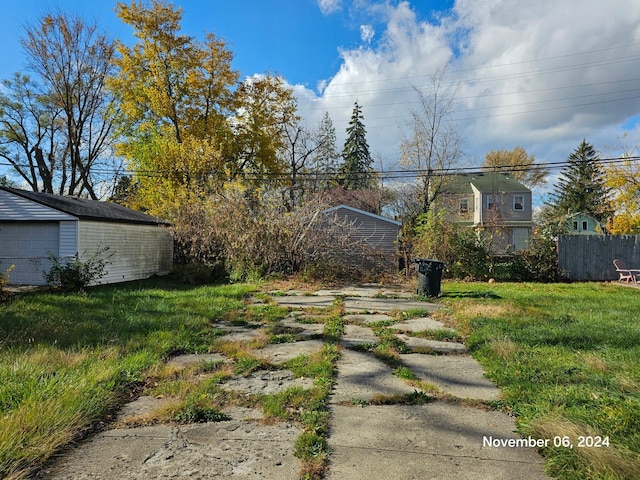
[[88, 209], [362, 212]]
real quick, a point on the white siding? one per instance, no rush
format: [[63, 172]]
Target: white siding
[[135, 251], [26, 246], [13, 207], [68, 239]]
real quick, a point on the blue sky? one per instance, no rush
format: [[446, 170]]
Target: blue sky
[[542, 75], [293, 38]]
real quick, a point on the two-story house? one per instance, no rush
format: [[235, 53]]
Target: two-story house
[[495, 204]]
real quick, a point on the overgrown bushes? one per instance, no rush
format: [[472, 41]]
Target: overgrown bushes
[[239, 235], [467, 256], [464, 253], [255, 237]]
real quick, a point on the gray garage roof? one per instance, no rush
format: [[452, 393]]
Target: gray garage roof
[[87, 209]]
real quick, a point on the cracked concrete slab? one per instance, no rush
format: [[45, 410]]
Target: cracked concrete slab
[[434, 441], [361, 376], [236, 333], [194, 359], [305, 301], [367, 318], [304, 329], [435, 345], [357, 335], [458, 375], [382, 305], [388, 291], [266, 382], [142, 406], [420, 324], [281, 352], [231, 449]]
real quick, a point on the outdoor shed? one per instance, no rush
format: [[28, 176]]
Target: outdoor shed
[[34, 225], [378, 232]]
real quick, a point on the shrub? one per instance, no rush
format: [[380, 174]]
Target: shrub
[[463, 252], [540, 261], [74, 274]]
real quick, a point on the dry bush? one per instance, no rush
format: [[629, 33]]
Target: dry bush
[[254, 238]]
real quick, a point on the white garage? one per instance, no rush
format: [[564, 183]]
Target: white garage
[[34, 225]]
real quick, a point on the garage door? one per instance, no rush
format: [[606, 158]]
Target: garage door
[[27, 245]]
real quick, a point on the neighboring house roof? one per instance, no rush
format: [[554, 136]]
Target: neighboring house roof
[[580, 215], [362, 212], [484, 183], [87, 209], [497, 182]]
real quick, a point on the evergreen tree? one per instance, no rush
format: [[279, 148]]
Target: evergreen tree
[[581, 188], [356, 172], [327, 155]]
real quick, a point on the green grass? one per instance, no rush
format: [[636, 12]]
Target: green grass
[[308, 406], [68, 360], [567, 358]]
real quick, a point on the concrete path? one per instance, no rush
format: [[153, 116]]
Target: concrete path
[[374, 433], [439, 440]]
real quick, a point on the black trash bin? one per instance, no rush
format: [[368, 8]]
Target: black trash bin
[[429, 276]]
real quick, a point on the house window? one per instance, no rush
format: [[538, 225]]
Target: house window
[[584, 226], [464, 205], [492, 202], [518, 202], [575, 225]]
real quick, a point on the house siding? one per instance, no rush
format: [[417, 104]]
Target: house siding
[[377, 232], [68, 238], [504, 211], [134, 251], [507, 227]]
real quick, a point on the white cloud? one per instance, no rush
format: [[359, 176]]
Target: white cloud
[[542, 75], [328, 7], [367, 33]]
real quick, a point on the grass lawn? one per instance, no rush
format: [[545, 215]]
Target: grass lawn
[[67, 360], [565, 355], [567, 358]]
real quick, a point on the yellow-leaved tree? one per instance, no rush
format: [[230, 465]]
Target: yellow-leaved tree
[[623, 180], [187, 125], [518, 163]]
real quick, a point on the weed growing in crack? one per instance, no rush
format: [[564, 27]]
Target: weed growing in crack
[[405, 373]]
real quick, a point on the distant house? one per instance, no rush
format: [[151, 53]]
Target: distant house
[[583, 224], [494, 203], [381, 233], [34, 225]]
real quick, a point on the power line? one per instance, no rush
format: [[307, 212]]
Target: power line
[[387, 174]]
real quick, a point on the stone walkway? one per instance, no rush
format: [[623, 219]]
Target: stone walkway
[[372, 437]]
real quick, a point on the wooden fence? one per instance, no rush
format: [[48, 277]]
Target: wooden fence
[[590, 257]]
